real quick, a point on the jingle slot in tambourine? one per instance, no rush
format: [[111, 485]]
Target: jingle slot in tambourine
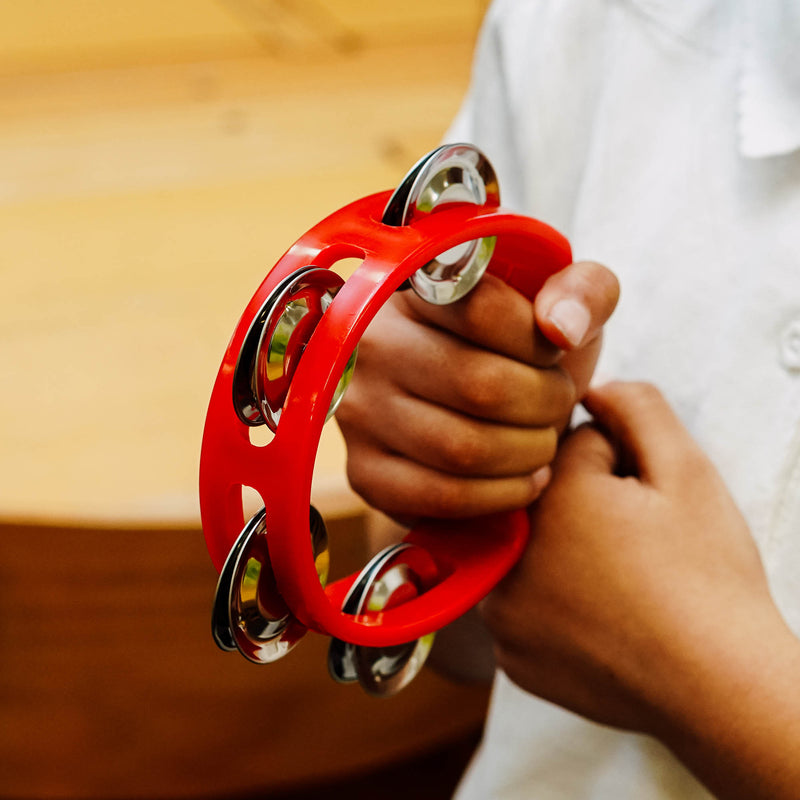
[[287, 366]]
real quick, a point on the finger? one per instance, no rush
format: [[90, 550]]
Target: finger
[[493, 316], [444, 369], [452, 442], [574, 304], [399, 487], [586, 450], [647, 429]]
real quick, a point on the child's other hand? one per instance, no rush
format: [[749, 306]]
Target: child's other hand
[[641, 602], [629, 581], [455, 411]]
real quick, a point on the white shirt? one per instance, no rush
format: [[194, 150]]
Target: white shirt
[[662, 139]]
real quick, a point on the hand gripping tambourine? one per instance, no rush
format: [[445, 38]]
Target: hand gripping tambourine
[[288, 364]]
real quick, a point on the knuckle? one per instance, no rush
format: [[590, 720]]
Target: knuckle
[[647, 392], [646, 395], [347, 415], [465, 453], [360, 476], [564, 393], [446, 498], [353, 415], [485, 304], [481, 389], [639, 394], [546, 447]]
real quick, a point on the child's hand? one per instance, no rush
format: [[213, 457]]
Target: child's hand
[[641, 601], [455, 411]]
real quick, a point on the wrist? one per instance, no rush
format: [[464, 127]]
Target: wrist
[[731, 713]]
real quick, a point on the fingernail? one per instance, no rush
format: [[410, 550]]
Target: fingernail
[[572, 319], [541, 478]]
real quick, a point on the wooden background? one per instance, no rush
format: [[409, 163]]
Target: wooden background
[[156, 158]]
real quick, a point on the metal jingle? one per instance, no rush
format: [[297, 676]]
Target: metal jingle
[[258, 617], [262, 626], [455, 173], [380, 670], [341, 654], [385, 671], [220, 614], [275, 342], [245, 400], [319, 544], [341, 661]]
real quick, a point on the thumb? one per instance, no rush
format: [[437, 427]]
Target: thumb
[[573, 305], [645, 427]]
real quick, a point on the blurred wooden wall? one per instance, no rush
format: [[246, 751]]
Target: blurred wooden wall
[[156, 158]]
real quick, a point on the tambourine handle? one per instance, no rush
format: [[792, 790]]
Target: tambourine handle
[[468, 556]]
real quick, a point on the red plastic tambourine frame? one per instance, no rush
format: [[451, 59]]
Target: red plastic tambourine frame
[[470, 556]]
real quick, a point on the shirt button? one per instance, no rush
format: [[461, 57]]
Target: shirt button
[[790, 346]]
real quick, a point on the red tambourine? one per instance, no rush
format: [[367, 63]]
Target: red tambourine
[[286, 367]]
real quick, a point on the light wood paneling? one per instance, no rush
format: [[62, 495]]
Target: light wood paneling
[[67, 35], [155, 160]]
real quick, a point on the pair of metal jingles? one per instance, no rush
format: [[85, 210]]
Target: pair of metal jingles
[[287, 366]]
